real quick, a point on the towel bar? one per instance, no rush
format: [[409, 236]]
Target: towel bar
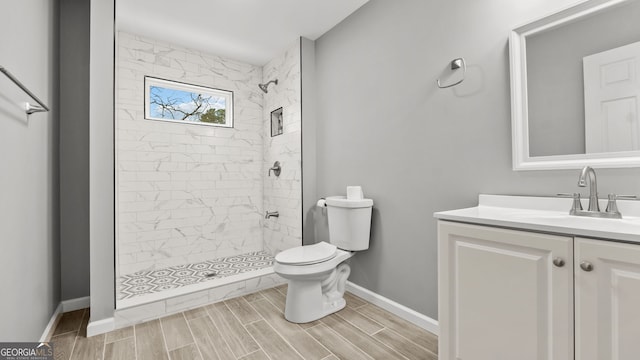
[[29, 108]]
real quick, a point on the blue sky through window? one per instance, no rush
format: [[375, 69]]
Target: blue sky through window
[[180, 103]]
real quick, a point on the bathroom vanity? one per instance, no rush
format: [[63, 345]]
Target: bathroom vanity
[[520, 278]]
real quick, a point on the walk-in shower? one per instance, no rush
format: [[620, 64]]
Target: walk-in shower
[[192, 193]]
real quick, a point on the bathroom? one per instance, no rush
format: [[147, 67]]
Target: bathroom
[[441, 150]]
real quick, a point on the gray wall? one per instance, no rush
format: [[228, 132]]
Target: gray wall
[[74, 148], [383, 124], [29, 216], [555, 76]]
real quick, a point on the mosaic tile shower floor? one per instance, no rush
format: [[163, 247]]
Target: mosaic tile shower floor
[[147, 282]]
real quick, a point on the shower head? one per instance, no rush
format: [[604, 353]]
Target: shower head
[[264, 87]]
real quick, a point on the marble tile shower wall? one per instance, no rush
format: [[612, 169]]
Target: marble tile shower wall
[[186, 193], [284, 193]]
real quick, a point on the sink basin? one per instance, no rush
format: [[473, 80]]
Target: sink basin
[[573, 221]]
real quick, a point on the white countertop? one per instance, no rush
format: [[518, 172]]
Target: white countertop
[[549, 214]]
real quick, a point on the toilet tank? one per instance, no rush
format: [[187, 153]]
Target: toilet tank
[[349, 222]]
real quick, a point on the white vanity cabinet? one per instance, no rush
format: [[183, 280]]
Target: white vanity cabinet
[[501, 297], [512, 294], [607, 303]]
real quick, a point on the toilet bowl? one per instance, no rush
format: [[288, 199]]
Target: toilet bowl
[[317, 273], [315, 289]]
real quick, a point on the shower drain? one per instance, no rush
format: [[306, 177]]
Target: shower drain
[[211, 274]]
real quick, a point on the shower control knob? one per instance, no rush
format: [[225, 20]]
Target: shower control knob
[[559, 262], [276, 168]]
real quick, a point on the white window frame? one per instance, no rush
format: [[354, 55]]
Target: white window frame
[[150, 81]]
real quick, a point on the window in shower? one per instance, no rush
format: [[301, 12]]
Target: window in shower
[[186, 103]]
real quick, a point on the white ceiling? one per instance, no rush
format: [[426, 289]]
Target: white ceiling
[[253, 31]]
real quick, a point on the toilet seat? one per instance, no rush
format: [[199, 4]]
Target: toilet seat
[[307, 255], [310, 271]]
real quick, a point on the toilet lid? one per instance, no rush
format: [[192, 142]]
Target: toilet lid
[[306, 255]]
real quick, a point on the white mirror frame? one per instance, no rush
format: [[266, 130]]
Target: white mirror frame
[[519, 106]]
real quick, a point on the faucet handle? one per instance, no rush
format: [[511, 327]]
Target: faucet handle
[[626, 197], [577, 204], [612, 205]]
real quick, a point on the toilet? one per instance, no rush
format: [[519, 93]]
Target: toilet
[[317, 273]]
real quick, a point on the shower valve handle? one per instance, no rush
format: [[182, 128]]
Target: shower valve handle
[[276, 168]]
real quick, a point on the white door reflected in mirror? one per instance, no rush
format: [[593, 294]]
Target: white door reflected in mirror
[[611, 97]]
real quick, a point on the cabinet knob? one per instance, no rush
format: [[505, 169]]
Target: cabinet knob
[[586, 266], [559, 262]]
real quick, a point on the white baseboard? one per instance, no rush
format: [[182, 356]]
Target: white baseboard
[[52, 323], [75, 304], [393, 307], [63, 307], [100, 326]]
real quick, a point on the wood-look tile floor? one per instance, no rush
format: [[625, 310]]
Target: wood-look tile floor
[[251, 327]]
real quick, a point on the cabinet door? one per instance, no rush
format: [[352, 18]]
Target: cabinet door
[[607, 300], [500, 297]]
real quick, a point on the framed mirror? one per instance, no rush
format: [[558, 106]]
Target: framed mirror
[[575, 88]]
